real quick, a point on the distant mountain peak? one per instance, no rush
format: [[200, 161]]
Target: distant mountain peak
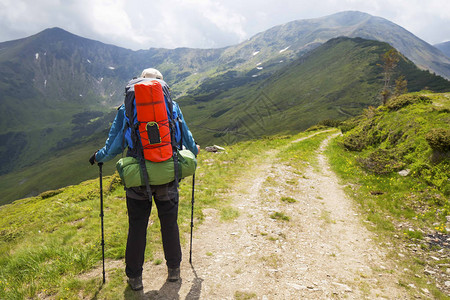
[[56, 33], [353, 14], [55, 30], [343, 18]]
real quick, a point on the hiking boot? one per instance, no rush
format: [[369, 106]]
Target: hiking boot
[[174, 274], [136, 283]]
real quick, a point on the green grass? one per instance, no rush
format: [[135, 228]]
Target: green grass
[[288, 199], [229, 214], [325, 216], [279, 216], [300, 155], [398, 137], [240, 295], [157, 261]]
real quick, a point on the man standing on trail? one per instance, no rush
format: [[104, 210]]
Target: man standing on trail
[[138, 204]]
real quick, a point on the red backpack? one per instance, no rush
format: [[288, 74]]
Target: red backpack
[[153, 130], [153, 122]]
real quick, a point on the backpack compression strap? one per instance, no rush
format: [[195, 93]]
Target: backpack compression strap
[[144, 169]]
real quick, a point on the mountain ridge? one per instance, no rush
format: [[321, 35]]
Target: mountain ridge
[[313, 32]]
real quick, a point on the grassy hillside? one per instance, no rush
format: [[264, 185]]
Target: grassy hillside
[[410, 132], [395, 160], [335, 81]]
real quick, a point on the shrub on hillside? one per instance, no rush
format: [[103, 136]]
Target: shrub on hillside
[[382, 161], [115, 182], [439, 139], [404, 100], [348, 125], [51, 193], [325, 124], [437, 176], [330, 123], [316, 127], [355, 142], [362, 135]]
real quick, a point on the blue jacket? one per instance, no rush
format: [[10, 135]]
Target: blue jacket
[[116, 143]]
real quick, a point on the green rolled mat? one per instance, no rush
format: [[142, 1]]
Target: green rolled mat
[[158, 172]]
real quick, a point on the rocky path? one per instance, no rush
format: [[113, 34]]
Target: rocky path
[[313, 248]]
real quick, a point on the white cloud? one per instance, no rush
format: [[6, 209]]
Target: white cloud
[[110, 19], [203, 23], [222, 17]]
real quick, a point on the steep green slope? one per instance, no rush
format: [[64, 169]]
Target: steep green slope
[[410, 132], [335, 81]]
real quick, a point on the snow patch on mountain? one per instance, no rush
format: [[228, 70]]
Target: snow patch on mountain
[[282, 50]]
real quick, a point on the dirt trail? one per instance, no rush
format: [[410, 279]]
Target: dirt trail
[[322, 252]]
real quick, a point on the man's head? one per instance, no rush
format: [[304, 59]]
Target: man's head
[[151, 73]]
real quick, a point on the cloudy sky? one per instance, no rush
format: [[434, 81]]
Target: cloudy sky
[[203, 23]]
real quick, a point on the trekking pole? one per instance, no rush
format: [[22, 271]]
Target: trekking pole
[[192, 217], [101, 217]]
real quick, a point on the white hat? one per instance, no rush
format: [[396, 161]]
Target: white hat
[[151, 73]]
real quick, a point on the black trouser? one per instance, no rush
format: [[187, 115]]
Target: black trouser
[[139, 208]]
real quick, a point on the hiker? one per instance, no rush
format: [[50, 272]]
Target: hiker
[[139, 202]]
